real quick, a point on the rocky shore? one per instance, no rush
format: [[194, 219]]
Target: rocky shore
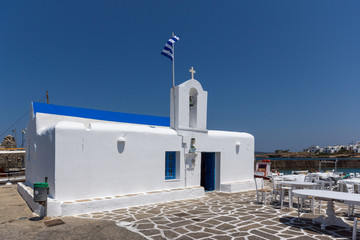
[[306, 155]]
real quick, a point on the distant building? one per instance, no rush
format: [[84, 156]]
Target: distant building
[[334, 148], [312, 149]]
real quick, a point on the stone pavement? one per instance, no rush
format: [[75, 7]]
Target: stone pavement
[[223, 216]]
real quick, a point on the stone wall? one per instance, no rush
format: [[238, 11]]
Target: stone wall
[[11, 161], [313, 165]]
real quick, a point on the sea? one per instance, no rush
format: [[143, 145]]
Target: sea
[[324, 169]]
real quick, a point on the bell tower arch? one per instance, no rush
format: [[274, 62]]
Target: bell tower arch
[[188, 106]]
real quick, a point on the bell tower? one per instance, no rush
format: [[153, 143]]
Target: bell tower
[[188, 106]]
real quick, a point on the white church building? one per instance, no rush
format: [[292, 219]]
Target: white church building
[[98, 160]]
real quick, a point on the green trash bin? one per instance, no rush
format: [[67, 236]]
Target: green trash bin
[[40, 192]]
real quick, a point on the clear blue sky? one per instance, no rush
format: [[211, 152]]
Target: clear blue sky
[[287, 72]]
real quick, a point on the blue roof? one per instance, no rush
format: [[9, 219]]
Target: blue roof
[[100, 115]]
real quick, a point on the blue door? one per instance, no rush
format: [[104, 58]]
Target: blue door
[[208, 171]]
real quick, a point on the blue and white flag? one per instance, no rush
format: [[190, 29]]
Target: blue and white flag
[[168, 50]]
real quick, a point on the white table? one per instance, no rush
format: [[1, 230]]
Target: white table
[[291, 177], [329, 196], [294, 184]]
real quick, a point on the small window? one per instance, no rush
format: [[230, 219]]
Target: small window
[[170, 165]]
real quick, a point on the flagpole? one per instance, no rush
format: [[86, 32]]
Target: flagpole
[[173, 63], [173, 88]]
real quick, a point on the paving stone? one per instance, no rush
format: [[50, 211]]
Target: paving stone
[[179, 224], [129, 219], [145, 226], [142, 216], [198, 235], [225, 227], [285, 236], [278, 227], [180, 230], [269, 223], [150, 232], [170, 234], [163, 227], [239, 234], [175, 219], [264, 235], [304, 238], [143, 221], [153, 211], [193, 228], [252, 237], [184, 238], [158, 237], [225, 219], [222, 237], [248, 227], [181, 214], [246, 218], [268, 230]]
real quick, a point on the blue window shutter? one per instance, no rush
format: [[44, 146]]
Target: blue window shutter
[[170, 165]]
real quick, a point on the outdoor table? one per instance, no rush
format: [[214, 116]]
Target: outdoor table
[[294, 184], [291, 177], [330, 197]]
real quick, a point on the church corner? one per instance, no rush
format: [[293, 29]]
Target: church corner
[[96, 160]]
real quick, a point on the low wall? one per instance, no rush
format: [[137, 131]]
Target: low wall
[[312, 164]]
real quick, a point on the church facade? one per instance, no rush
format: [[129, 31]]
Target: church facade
[[96, 160]]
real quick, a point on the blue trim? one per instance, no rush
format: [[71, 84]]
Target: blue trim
[[208, 170], [170, 165], [100, 115]]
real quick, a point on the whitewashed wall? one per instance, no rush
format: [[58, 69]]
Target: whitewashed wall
[[90, 162], [40, 154], [93, 162], [87, 158]]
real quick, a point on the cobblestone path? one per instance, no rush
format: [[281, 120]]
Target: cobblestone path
[[223, 216]]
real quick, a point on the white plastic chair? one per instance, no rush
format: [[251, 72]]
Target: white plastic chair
[[276, 190], [282, 197], [259, 184], [307, 178], [350, 189], [320, 185]]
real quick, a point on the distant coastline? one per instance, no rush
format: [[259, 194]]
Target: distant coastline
[[309, 161], [306, 155]]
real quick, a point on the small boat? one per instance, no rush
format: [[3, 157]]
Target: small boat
[[263, 169]]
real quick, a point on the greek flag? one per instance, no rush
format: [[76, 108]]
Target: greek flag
[[169, 47]]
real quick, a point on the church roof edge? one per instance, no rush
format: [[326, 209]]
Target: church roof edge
[[100, 115]]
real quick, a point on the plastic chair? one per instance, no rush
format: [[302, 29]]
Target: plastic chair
[[259, 184], [320, 185], [350, 189], [283, 190], [307, 178], [275, 189]]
